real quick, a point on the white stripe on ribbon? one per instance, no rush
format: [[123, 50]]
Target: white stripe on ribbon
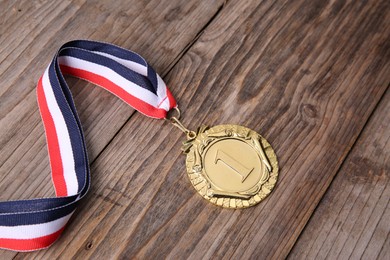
[[63, 137], [139, 68], [162, 92], [128, 86], [35, 230]]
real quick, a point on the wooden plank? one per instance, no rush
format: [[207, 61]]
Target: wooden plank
[[31, 32], [352, 221], [308, 74]]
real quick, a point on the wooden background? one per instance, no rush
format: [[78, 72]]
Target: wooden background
[[312, 76]]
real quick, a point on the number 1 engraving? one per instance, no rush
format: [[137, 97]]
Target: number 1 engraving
[[233, 164]]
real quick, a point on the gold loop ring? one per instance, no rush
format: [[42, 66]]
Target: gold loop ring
[[176, 122], [178, 112]]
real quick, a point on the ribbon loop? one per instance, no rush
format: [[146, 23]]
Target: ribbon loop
[[29, 225]]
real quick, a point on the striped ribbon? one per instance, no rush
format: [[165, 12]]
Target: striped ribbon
[[28, 225]]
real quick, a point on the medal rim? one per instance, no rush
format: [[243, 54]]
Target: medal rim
[[197, 174]]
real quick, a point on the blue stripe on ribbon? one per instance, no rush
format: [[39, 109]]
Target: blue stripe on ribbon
[[75, 133], [29, 212], [122, 70], [68, 95], [107, 48]]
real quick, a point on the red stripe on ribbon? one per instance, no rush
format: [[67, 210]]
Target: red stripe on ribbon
[[136, 103], [172, 100], [57, 170], [30, 244]]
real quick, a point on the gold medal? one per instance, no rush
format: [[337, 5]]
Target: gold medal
[[229, 165]]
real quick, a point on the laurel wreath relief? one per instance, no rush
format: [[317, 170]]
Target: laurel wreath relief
[[195, 149]]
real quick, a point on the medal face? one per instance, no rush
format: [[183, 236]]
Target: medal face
[[230, 165]]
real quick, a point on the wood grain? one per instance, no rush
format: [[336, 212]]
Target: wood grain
[[306, 74], [352, 221]]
